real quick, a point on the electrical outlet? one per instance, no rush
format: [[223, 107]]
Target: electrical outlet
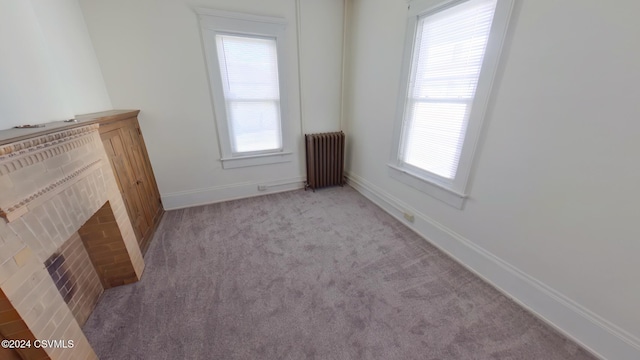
[[409, 216], [262, 187]]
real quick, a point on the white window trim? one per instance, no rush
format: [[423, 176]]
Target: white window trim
[[213, 22], [452, 192]]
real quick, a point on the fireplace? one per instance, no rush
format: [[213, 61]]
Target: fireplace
[[64, 237]]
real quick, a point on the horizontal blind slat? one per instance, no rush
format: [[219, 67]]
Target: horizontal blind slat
[[249, 70], [449, 51]]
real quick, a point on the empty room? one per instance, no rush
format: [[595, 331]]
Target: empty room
[[319, 179]]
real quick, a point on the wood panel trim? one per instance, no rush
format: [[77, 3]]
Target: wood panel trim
[[143, 204]]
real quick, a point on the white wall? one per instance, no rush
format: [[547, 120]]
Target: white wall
[[152, 58], [321, 34], [552, 211], [48, 69]]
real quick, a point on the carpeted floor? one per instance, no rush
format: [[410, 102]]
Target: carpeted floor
[[303, 275]]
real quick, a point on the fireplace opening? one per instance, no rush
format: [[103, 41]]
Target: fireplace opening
[[91, 260]]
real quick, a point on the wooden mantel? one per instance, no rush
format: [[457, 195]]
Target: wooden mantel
[[13, 135]]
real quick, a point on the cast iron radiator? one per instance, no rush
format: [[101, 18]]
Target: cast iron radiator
[[325, 159]]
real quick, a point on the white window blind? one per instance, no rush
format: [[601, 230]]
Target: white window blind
[[447, 57], [249, 71]]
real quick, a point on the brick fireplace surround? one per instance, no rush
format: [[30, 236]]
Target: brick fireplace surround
[[55, 187]]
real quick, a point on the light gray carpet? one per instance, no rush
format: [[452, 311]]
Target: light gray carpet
[[303, 275]]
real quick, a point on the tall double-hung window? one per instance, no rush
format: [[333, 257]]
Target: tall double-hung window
[[245, 60], [451, 54]]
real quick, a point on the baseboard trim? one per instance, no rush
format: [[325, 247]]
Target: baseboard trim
[[216, 194], [597, 335]]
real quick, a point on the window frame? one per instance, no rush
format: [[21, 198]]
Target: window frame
[[452, 192], [214, 22]]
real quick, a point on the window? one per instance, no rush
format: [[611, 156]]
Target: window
[[450, 59], [245, 63]]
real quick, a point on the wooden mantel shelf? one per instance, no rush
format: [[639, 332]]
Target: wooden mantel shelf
[[13, 135]]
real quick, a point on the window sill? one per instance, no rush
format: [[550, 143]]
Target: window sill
[[428, 187], [255, 160]]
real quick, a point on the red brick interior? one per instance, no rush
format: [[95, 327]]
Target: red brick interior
[[106, 248], [75, 277]]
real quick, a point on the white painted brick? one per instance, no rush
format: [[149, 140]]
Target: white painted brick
[[31, 299], [5, 231], [9, 249], [29, 317], [4, 169], [67, 320], [53, 353], [47, 178], [102, 188], [71, 212], [32, 223], [21, 190], [7, 234], [39, 309], [7, 269], [6, 185], [58, 311], [72, 203], [27, 173], [53, 303], [56, 219], [51, 298], [75, 165], [62, 212], [4, 227], [56, 242], [17, 278], [49, 328], [23, 256], [46, 222], [43, 250], [24, 280], [73, 332], [88, 188], [29, 239], [57, 162]]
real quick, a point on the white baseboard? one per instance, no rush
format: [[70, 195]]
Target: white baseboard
[[592, 332], [185, 199]]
